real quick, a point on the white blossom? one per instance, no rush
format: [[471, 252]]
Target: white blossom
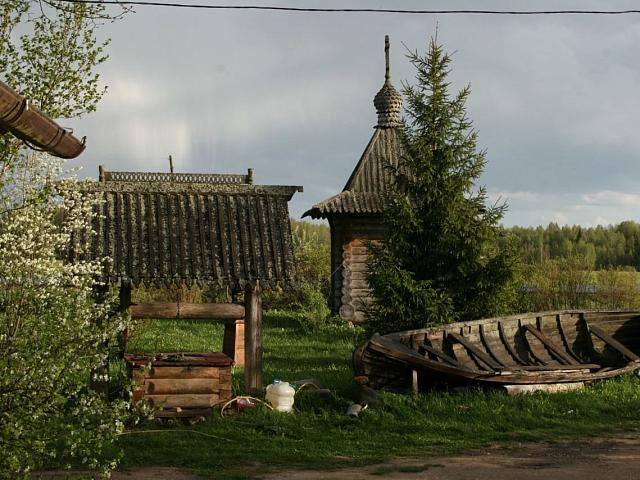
[[52, 331]]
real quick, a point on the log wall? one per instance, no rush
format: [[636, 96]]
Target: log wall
[[349, 288]]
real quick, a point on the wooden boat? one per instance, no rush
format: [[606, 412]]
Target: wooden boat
[[532, 348]]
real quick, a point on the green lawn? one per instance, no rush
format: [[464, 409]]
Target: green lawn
[[320, 435]]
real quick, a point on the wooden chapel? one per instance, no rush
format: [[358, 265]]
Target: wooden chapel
[[355, 214]]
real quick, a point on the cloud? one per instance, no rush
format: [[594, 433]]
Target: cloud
[[588, 209], [291, 95]]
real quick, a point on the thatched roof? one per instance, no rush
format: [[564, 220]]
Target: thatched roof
[[161, 228], [365, 190]]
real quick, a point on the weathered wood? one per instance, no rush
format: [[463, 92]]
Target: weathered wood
[[543, 387], [157, 386], [559, 368], [553, 348], [440, 354], [476, 351], [358, 284], [253, 337], [178, 384], [565, 338], [233, 341], [473, 350], [487, 342], [185, 372], [613, 343], [187, 400], [536, 349], [192, 311]]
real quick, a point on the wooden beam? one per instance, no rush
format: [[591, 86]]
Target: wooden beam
[[482, 356], [509, 346], [253, 337], [613, 343], [555, 350], [192, 311], [440, 354]]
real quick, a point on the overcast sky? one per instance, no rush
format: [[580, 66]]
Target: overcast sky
[[555, 99]]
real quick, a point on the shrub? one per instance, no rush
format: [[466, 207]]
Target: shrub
[[54, 334]]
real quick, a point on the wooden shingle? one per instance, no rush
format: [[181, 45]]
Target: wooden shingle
[[161, 229]]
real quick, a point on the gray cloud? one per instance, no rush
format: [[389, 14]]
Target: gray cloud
[[291, 95]]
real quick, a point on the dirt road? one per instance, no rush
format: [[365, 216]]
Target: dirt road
[[610, 458], [615, 458]]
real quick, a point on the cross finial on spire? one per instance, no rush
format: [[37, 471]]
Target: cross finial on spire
[[388, 101], [386, 58]]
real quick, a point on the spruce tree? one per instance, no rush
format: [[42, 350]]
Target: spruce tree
[[444, 257]]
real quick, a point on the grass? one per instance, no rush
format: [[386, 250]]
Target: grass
[[319, 435]]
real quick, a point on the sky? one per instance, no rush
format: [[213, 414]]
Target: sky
[[555, 99]]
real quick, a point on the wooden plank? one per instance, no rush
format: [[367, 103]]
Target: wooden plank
[[233, 341], [475, 350], [613, 343], [565, 339], [253, 337], [184, 372], [158, 386], [553, 368], [555, 350], [508, 345], [188, 400], [542, 387], [395, 350], [192, 311], [536, 348], [487, 344], [440, 354]]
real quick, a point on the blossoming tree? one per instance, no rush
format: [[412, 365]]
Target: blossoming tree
[[54, 332]]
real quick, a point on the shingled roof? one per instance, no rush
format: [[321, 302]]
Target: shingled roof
[[161, 228], [364, 192]]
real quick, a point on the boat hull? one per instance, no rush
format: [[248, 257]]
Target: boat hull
[[528, 349]]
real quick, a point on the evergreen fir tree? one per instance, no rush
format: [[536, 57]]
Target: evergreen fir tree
[[444, 257]]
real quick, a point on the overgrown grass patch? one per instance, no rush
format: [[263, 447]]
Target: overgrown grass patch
[[321, 435]]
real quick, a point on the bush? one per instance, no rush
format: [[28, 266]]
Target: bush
[[311, 290], [569, 283], [54, 333]]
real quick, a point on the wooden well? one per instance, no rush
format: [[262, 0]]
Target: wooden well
[[181, 384]]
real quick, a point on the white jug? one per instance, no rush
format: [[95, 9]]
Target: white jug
[[280, 396]]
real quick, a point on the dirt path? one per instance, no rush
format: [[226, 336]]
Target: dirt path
[[594, 459], [615, 458]]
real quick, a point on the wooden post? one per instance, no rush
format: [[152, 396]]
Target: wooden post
[[123, 307], [233, 341], [253, 337]]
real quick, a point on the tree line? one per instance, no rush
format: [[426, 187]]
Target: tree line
[[598, 247]]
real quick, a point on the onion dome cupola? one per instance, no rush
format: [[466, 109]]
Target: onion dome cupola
[[388, 101]]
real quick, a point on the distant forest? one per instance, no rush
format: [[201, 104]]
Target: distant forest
[[600, 247]]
